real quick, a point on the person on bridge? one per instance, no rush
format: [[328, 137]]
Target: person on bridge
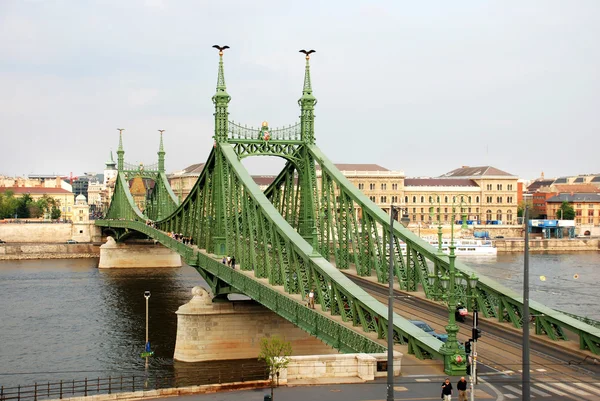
[[311, 299], [233, 262], [447, 390], [461, 386]]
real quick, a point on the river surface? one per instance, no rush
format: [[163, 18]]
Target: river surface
[[65, 319]]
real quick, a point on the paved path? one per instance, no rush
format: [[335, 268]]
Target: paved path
[[492, 387]]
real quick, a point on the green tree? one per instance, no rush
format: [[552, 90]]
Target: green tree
[[55, 213], [275, 352], [23, 206], [8, 205], [565, 211]]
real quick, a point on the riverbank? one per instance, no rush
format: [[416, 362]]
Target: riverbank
[[21, 251], [553, 245]]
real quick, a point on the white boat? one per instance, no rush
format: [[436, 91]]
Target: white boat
[[474, 247]]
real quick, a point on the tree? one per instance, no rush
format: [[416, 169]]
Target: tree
[[23, 206], [55, 213], [565, 211], [8, 205], [275, 352]]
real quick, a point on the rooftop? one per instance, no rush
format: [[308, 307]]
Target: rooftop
[[34, 190], [439, 182], [576, 188], [574, 198], [476, 172]]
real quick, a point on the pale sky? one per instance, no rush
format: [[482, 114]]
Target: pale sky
[[421, 86]]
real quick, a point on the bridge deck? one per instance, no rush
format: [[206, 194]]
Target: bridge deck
[[410, 362], [568, 346]]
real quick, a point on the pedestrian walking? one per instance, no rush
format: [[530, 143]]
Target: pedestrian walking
[[461, 386], [233, 262], [447, 390], [224, 260], [311, 299]]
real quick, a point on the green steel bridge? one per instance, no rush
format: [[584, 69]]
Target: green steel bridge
[[300, 233]]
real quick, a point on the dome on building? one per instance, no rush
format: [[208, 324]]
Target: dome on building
[[80, 200]]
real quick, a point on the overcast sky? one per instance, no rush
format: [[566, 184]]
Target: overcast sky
[[421, 86]]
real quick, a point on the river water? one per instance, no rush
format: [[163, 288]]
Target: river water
[[65, 319]]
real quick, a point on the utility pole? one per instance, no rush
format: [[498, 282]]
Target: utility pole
[[390, 334], [526, 374], [475, 333]]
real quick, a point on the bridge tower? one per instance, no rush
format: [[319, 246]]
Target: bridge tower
[[307, 170], [221, 101]]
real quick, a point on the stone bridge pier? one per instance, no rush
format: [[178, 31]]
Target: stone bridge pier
[[210, 331], [115, 255]]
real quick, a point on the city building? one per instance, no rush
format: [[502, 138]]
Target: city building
[[183, 181], [65, 198], [586, 206], [138, 192]]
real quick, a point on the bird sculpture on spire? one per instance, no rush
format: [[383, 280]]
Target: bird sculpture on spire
[[221, 48], [308, 53]]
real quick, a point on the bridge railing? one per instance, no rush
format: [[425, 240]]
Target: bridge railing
[[492, 298]]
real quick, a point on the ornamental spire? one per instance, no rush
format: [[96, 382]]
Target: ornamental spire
[[221, 100], [307, 86], [120, 151], [161, 153], [307, 104]]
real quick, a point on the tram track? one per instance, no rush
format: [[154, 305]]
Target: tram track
[[498, 349]]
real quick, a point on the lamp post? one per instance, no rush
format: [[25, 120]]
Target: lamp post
[[390, 334], [439, 221], [454, 357], [147, 350]]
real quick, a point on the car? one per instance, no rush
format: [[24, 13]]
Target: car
[[427, 329], [71, 241], [499, 237], [2, 242]]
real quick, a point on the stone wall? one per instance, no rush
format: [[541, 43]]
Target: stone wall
[[49, 232], [549, 245], [209, 331], [362, 366], [48, 251], [136, 255]]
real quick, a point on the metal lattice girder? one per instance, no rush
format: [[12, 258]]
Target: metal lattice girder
[[161, 202], [492, 298]]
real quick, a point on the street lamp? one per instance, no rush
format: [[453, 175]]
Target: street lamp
[[147, 350], [439, 221], [390, 335], [454, 356]]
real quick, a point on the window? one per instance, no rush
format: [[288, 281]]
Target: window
[[430, 199], [394, 187], [498, 199], [446, 218], [383, 187], [372, 186], [414, 199], [438, 199], [590, 220], [489, 187], [509, 216], [422, 218], [414, 210], [488, 215], [414, 217], [421, 210], [488, 199], [430, 218], [578, 212], [499, 186], [445, 199], [422, 199], [509, 199], [394, 199], [406, 199], [445, 210], [509, 187], [499, 215], [477, 199], [361, 185], [372, 198], [590, 212], [384, 199], [469, 210], [476, 210]]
